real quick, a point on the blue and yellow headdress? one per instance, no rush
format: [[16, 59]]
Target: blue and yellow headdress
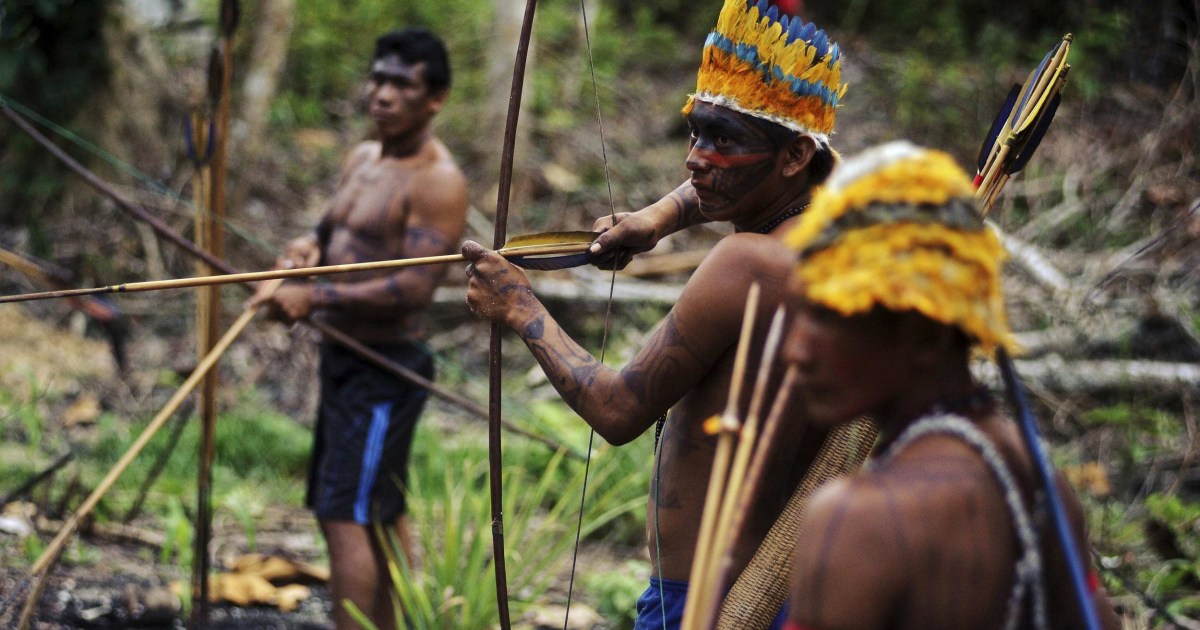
[[773, 67], [898, 227]]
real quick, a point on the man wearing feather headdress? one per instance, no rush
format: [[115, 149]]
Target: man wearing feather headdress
[[765, 102], [897, 281]]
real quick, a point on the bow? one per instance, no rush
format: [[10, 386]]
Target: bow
[[1015, 134], [495, 458]]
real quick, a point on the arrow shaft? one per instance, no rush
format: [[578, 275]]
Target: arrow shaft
[[303, 272]]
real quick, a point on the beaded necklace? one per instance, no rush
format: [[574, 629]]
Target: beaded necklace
[[779, 219]]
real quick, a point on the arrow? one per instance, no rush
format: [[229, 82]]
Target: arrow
[[548, 250], [1021, 124]]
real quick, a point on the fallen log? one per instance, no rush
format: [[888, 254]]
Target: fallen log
[[1054, 373]]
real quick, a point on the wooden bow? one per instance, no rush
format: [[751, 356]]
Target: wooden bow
[[495, 458]]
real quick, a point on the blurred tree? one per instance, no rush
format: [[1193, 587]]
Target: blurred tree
[[48, 62]]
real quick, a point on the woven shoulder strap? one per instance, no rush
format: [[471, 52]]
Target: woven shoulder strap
[[759, 592]]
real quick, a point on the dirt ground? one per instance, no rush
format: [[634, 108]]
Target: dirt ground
[[91, 592]]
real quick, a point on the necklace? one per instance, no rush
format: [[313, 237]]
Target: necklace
[[977, 399], [778, 219]]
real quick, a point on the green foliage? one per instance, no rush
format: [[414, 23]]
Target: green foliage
[[618, 592], [255, 447], [451, 588], [1145, 432], [325, 65], [179, 533]]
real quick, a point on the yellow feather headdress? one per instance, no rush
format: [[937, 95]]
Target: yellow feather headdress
[[898, 226], [771, 66]]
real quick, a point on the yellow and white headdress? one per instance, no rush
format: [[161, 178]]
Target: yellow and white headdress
[[771, 66], [898, 226]]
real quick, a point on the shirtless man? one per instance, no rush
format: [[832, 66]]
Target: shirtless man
[[401, 196], [756, 174], [898, 278]]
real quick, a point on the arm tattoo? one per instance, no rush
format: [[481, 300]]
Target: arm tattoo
[[423, 239], [395, 290], [580, 366], [325, 295], [687, 208], [535, 330], [660, 362]]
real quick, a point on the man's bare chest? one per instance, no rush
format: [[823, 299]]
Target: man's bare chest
[[373, 200]]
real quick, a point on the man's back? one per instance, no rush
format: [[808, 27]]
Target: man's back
[[929, 537]]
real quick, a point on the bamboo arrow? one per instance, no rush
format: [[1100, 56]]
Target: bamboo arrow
[[210, 233], [728, 517], [520, 250], [728, 428], [1021, 123]]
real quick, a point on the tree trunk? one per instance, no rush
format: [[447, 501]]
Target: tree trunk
[[272, 29], [506, 36]]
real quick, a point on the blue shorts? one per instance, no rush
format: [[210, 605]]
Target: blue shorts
[[364, 434], [666, 613]]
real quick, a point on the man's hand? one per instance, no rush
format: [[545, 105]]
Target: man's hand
[[621, 237], [300, 252], [497, 289], [291, 301]]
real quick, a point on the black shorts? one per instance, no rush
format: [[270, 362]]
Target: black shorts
[[364, 432]]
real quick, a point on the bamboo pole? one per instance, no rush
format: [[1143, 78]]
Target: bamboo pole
[[301, 272], [747, 444], [758, 464], [728, 428], [208, 194], [41, 567]]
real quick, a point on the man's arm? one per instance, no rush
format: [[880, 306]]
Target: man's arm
[[630, 233], [1059, 579], [621, 405], [435, 225]]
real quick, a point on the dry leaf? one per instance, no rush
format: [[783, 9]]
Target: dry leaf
[[288, 597], [84, 410], [1090, 478]]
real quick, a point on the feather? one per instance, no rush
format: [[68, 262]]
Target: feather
[[1035, 75], [997, 126], [549, 262], [550, 238], [552, 263], [1035, 138]]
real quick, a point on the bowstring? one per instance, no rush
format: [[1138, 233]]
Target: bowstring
[[612, 283]]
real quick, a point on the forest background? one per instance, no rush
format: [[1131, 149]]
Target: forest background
[[1104, 288]]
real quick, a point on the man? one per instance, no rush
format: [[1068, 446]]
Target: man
[[898, 279], [400, 196], [758, 145]]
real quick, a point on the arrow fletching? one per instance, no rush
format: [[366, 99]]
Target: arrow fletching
[[549, 262], [1035, 138], [1021, 124], [998, 126]]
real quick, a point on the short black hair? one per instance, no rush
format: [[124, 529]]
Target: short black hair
[[823, 160], [416, 45]]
